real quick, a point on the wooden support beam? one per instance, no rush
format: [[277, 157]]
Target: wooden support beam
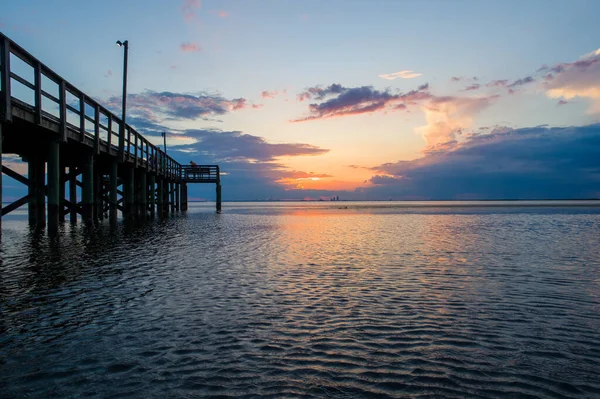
[[114, 176], [184, 197], [160, 196], [152, 194], [36, 186], [17, 204], [177, 197], [218, 198], [11, 173], [73, 192], [53, 185], [143, 193], [88, 188], [128, 190], [1, 210]]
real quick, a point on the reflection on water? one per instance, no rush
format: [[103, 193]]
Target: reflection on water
[[322, 300]]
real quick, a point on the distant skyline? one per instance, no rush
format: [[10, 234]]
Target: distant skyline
[[364, 100]]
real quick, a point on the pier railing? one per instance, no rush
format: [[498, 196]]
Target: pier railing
[[32, 90], [200, 174]]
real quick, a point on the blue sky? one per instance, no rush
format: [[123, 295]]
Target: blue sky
[[292, 100]]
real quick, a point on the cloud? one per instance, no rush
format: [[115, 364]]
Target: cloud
[[456, 79], [576, 79], [447, 117], [497, 83], [561, 102], [222, 13], [401, 74], [521, 82], [342, 101], [190, 47], [188, 8], [108, 73], [237, 146], [257, 106], [474, 86], [156, 107], [527, 163], [268, 94]]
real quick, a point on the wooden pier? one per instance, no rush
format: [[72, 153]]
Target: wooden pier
[[70, 140]]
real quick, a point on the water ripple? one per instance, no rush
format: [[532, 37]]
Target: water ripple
[[316, 302]]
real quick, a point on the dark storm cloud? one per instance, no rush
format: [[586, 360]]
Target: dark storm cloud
[[537, 162], [224, 145]]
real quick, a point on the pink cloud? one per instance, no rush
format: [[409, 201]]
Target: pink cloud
[[190, 47], [223, 14], [238, 103], [188, 8], [108, 73], [268, 94], [576, 79], [257, 106]]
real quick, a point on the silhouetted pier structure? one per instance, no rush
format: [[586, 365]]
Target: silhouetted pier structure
[[60, 131]]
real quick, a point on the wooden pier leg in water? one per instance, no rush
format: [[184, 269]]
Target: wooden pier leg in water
[[218, 198], [73, 192], [172, 196], [166, 197], [96, 185], [88, 188], [184, 197], [128, 191], [114, 175], [143, 194], [0, 180], [160, 196], [61, 191], [152, 196], [53, 185], [177, 197], [37, 199]]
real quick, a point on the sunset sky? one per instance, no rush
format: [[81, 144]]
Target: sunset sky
[[361, 99]]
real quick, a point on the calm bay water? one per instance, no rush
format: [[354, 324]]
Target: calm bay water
[[330, 299]]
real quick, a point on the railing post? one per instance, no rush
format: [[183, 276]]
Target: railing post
[[5, 101], [137, 150], [81, 116], [109, 136], [37, 83], [97, 129], [122, 141], [62, 109]]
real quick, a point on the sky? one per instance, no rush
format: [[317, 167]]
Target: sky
[[365, 100]]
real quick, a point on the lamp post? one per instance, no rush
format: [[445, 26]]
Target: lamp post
[[124, 44], [164, 134]]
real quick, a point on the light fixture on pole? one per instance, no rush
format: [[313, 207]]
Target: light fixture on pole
[[124, 44]]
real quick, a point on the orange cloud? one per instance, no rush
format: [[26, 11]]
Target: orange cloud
[[190, 47]]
